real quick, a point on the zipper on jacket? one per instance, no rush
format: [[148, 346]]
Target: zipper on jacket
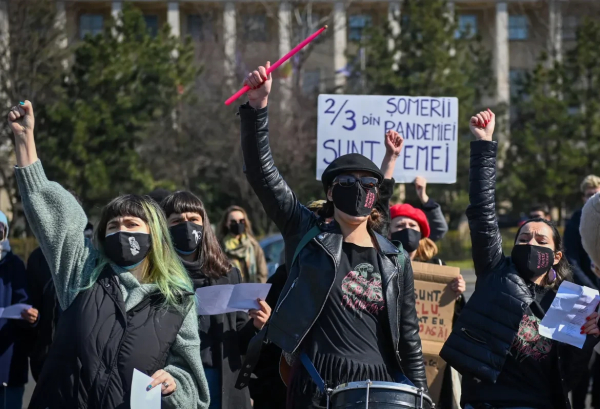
[[288, 293], [464, 330]]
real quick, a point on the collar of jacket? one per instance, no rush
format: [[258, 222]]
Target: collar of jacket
[[331, 238]]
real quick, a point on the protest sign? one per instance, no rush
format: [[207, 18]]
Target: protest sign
[[357, 124], [434, 302]]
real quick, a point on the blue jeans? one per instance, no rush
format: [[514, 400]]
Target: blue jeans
[[213, 378], [11, 397]]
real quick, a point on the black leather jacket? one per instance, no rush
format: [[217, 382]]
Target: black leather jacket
[[482, 336], [312, 276]]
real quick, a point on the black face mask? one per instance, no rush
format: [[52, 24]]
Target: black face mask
[[127, 249], [187, 237], [532, 261], [409, 238], [354, 200], [237, 228]]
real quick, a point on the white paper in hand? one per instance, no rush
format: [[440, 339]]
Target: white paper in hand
[[567, 314], [140, 397], [14, 311], [221, 299]]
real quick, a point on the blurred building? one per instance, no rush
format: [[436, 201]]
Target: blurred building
[[232, 37]]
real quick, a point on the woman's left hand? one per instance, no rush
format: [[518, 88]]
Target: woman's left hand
[[261, 316], [591, 326], [165, 380]]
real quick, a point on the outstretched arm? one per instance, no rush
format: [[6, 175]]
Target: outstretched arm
[[393, 148], [54, 215], [278, 200], [485, 235], [433, 211]]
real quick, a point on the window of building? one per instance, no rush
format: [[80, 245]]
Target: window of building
[[569, 27], [199, 26], [356, 25], [255, 27], [467, 26], [516, 78], [311, 81], [151, 21], [91, 24], [518, 28]]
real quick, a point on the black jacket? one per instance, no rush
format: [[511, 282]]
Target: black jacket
[[575, 253], [433, 212], [98, 344], [43, 297], [268, 390], [481, 338], [227, 336], [311, 277]]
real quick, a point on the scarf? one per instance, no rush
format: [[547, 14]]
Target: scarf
[[242, 254]]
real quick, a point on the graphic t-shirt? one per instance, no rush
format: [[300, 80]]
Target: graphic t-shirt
[[348, 341], [531, 368]]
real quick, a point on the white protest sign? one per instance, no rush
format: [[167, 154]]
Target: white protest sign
[[357, 124]]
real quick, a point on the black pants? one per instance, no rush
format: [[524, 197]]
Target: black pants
[[581, 388]]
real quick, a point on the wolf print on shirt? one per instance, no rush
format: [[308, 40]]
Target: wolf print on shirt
[[362, 290]]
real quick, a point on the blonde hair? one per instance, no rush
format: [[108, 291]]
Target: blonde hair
[[590, 182], [426, 251]]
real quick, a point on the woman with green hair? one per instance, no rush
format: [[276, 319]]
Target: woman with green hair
[[128, 302]]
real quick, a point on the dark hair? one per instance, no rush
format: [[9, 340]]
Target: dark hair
[[214, 262], [563, 270], [159, 194], [540, 208], [224, 228], [122, 206]]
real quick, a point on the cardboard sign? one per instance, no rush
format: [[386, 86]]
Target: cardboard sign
[[358, 123], [435, 309]]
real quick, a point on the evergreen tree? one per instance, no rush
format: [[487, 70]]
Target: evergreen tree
[[122, 84], [429, 58], [555, 136]]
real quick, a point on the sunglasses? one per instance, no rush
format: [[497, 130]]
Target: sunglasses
[[241, 221], [368, 182]]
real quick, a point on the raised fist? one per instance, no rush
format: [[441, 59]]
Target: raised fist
[[482, 125], [421, 188], [260, 86], [393, 143], [21, 119]]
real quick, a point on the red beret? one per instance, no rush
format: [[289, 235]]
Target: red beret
[[406, 210]]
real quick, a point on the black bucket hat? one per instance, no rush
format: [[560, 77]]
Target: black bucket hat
[[351, 162]]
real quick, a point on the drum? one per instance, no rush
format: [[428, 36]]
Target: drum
[[379, 395]]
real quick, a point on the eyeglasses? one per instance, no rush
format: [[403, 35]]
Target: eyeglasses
[[368, 182]]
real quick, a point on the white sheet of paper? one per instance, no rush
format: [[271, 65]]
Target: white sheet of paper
[[140, 398], [14, 311], [221, 299], [244, 296], [567, 314]]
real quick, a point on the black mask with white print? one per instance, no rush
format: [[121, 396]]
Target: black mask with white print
[[127, 249], [187, 237]]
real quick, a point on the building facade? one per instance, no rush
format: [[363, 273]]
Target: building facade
[[234, 36]]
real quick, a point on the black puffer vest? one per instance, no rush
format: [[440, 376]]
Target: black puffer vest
[[98, 344]]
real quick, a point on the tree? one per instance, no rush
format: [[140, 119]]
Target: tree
[[555, 137], [427, 58], [31, 65], [122, 84]]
